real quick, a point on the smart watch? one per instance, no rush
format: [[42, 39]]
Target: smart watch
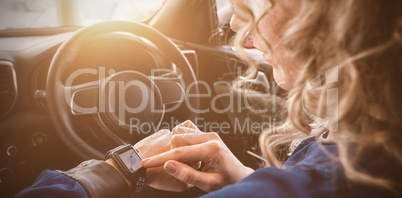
[[128, 161]]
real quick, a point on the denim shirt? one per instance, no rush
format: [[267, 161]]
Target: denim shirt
[[311, 171]]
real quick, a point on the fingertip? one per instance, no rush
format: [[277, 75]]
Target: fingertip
[[170, 167], [190, 124], [187, 122], [174, 138], [177, 129]]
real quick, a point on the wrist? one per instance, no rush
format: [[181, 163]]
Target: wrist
[[243, 173], [248, 171], [111, 162], [127, 161]]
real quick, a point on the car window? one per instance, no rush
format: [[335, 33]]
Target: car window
[[25, 14], [224, 11], [226, 35]]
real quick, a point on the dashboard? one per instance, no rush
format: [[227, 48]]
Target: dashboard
[[28, 142]]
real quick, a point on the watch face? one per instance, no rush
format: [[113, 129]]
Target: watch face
[[131, 160]]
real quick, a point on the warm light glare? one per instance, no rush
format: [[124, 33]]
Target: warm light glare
[[24, 14], [92, 11]]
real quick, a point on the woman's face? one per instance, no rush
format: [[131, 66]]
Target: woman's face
[[272, 26]]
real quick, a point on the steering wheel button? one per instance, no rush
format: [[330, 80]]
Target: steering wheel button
[[39, 139], [6, 175], [11, 150]]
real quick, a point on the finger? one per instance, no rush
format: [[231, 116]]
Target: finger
[[186, 124], [179, 140], [186, 174], [179, 130], [189, 124], [191, 153], [160, 132], [196, 165], [184, 130], [159, 179]]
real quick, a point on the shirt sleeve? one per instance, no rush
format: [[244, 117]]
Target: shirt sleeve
[[53, 184], [270, 182], [91, 178]]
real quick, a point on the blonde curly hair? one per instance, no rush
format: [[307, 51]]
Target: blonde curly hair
[[361, 41]]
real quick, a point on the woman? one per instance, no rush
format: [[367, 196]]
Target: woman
[[341, 62], [354, 48]]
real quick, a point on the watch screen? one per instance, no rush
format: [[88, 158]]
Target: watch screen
[[131, 160]]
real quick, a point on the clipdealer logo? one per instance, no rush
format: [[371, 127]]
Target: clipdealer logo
[[238, 99]]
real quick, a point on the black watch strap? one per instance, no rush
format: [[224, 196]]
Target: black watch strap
[[139, 180]]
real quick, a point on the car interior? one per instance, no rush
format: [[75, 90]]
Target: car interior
[[46, 71]]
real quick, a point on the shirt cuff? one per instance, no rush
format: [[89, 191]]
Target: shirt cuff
[[99, 179]]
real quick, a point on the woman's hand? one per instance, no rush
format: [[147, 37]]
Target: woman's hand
[[189, 146], [159, 143], [156, 177]]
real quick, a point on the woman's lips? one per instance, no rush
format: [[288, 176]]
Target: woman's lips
[[249, 43]]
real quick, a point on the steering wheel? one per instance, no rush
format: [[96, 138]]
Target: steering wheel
[[118, 98]]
